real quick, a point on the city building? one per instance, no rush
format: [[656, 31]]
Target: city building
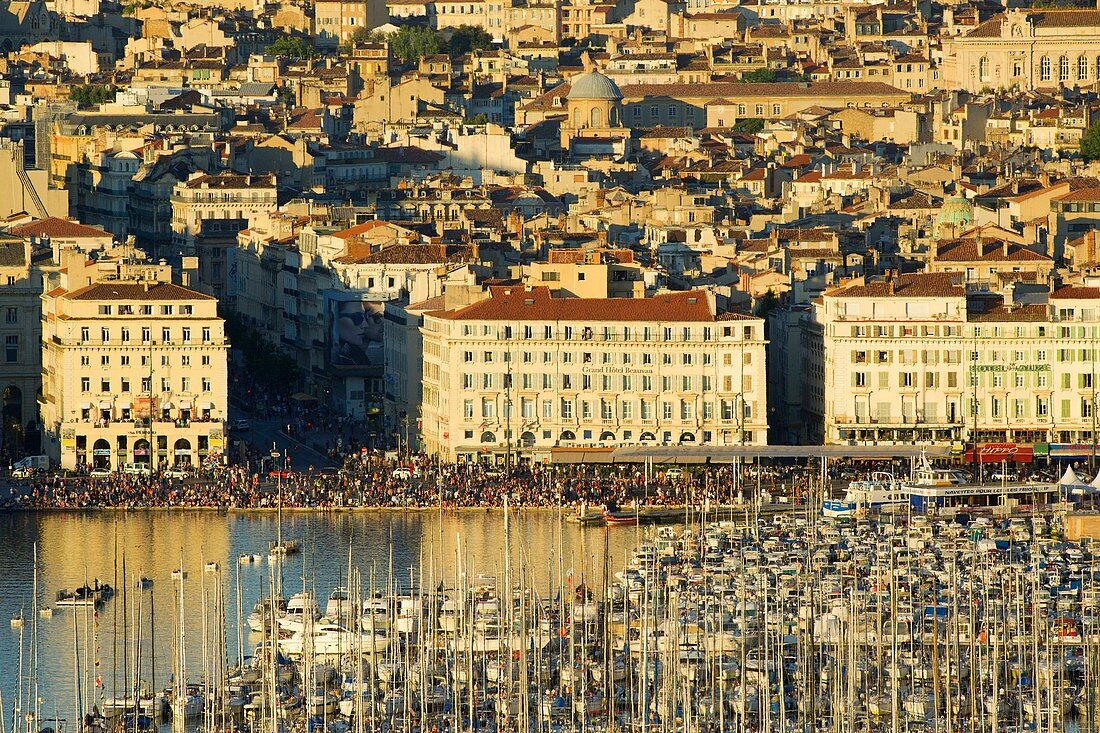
[[918, 359], [134, 368], [520, 373]]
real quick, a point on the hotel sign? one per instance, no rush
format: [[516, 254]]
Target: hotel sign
[[615, 370], [1010, 368]]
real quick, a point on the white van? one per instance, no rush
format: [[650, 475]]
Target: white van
[[137, 469], [24, 467]]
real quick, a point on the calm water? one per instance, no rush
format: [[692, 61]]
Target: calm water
[[78, 546]]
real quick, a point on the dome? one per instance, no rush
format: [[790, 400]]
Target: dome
[[594, 85], [956, 212]]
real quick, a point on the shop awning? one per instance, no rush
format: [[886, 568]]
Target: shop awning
[[105, 404], [85, 405], [185, 403], [124, 405]]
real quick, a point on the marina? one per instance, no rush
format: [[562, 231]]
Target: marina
[[794, 621]]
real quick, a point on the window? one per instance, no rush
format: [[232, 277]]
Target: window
[[146, 335], [566, 409], [606, 408], [586, 410], [185, 384], [11, 315], [186, 335], [105, 385], [125, 385], [647, 410], [861, 379], [166, 335], [84, 335], [85, 384], [165, 385], [547, 409], [1082, 68], [468, 409], [666, 410], [1063, 68], [205, 360], [11, 348], [146, 384], [105, 360], [86, 360], [1044, 69], [205, 384], [488, 407]]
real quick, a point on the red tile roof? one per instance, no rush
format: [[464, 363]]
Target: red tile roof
[[55, 227], [136, 291], [537, 304], [921, 285]]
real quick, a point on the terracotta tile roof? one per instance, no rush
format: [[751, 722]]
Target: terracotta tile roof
[[56, 227], [1081, 194], [537, 304], [736, 90], [404, 254], [920, 285], [989, 250], [136, 291], [1075, 292], [1035, 312]]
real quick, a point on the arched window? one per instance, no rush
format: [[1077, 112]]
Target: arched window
[[607, 436], [1082, 68], [596, 117], [1063, 68], [1044, 69], [613, 117], [576, 118], [488, 437], [527, 439], [983, 69], [567, 435]]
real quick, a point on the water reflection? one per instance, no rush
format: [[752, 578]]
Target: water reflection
[[94, 652]]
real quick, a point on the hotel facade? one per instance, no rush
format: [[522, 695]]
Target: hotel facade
[[521, 373], [919, 359], [134, 370]]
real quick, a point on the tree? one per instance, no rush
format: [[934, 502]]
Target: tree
[[89, 95], [1090, 143], [291, 47], [413, 42], [468, 38], [750, 125], [759, 76]]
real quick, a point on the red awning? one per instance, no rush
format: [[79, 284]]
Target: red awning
[[1002, 452]]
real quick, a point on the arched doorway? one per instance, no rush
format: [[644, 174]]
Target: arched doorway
[[182, 452], [12, 418], [142, 452], [101, 454], [527, 439]]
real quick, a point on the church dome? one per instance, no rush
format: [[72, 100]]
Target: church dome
[[956, 213], [594, 85]]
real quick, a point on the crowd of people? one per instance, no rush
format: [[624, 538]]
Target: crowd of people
[[372, 480]]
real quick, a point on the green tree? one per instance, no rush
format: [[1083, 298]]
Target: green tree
[[413, 42], [89, 95], [468, 38], [291, 47], [1090, 143], [749, 124], [759, 76]]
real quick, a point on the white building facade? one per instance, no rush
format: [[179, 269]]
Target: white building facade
[[521, 373]]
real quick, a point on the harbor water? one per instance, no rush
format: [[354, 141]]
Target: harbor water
[[77, 647]]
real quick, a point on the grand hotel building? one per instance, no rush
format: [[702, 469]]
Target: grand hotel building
[[917, 358], [521, 373]]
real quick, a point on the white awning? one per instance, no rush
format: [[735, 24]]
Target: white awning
[[166, 404], [204, 405], [124, 405], [105, 404], [85, 405], [185, 403]]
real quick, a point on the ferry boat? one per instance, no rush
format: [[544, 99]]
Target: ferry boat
[[872, 494], [936, 488]]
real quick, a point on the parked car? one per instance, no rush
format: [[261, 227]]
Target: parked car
[[402, 473], [99, 472], [242, 425], [674, 474], [137, 469], [176, 473]]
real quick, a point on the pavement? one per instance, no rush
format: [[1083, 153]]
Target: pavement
[[266, 433]]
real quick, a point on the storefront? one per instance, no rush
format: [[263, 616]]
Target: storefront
[[1002, 453]]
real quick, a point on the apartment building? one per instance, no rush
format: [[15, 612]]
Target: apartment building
[[522, 372], [916, 358], [21, 272], [133, 369], [207, 213]]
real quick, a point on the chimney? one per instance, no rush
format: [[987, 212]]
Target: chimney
[[1004, 248], [890, 286]]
